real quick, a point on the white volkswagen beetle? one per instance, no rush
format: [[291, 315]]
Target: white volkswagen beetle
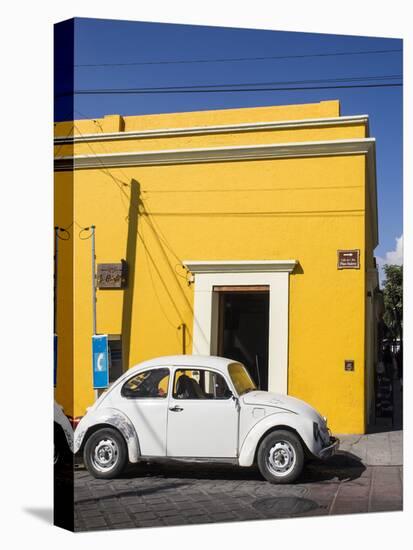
[[203, 409]]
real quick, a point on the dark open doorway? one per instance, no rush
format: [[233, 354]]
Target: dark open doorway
[[243, 328]]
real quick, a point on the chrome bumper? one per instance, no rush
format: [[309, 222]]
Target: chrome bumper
[[331, 449]]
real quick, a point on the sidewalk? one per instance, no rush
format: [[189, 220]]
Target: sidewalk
[[385, 447], [378, 449]]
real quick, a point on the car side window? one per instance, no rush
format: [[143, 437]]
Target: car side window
[[200, 384], [150, 383]]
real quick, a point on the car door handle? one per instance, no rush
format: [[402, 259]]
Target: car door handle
[[176, 408]]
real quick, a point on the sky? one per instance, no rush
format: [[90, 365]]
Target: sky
[[131, 55]]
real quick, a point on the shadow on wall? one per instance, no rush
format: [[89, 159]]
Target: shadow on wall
[[298, 269], [163, 245], [131, 262], [138, 212]]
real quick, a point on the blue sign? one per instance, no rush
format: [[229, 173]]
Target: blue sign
[[54, 359], [100, 361]]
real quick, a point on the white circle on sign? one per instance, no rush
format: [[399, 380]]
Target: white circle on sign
[[100, 363]]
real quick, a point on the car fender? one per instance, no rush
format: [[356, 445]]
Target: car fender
[[60, 419], [303, 426], [111, 417]]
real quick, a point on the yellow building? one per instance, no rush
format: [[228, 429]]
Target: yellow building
[[247, 233]]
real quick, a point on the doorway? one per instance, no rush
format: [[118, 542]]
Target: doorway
[[243, 328]]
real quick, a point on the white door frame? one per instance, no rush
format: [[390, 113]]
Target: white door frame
[[274, 274]]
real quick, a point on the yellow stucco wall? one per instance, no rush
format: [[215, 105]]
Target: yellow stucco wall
[[63, 215], [300, 208]]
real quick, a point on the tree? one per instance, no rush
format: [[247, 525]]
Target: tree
[[393, 301]]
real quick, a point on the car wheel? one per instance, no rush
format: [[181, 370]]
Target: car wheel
[[105, 453], [280, 457]]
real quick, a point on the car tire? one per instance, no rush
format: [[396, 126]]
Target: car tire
[[105, 453], [280, 457]]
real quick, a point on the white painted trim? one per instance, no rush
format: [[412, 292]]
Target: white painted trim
[[217, 154], [215, 129], [240, 266], [205, 317]]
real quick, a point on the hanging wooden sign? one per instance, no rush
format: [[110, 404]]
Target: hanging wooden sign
[[112, 275]]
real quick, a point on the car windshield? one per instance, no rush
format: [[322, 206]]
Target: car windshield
[[240, 378]]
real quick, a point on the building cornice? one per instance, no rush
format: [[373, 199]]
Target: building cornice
[[360, 146], [216, 154], [215, 129], [240, 266]]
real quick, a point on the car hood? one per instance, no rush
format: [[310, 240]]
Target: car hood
[[282, 402]]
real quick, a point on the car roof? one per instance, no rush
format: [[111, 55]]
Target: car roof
[[198, 361]]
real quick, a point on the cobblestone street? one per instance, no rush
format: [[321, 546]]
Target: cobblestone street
[[159, 495]]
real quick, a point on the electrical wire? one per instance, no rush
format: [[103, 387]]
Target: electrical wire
[[149, 259], [157, 231], [278, 82], [120, 183], [64, 232], [146, 213], [56, 153], [250, 189], [150, 216], [194, 90], [238, 59], [83, 230], [232, 85], [104, 169]]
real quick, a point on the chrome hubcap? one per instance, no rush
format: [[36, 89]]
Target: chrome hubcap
[[105, 455], [281, 458]]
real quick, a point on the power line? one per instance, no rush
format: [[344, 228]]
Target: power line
[[224, 90], [237, 59], [241, 84], [274, 82]]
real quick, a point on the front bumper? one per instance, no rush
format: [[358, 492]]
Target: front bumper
[[330, 449]]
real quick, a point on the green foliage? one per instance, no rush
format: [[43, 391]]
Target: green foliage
[[393, 299]]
